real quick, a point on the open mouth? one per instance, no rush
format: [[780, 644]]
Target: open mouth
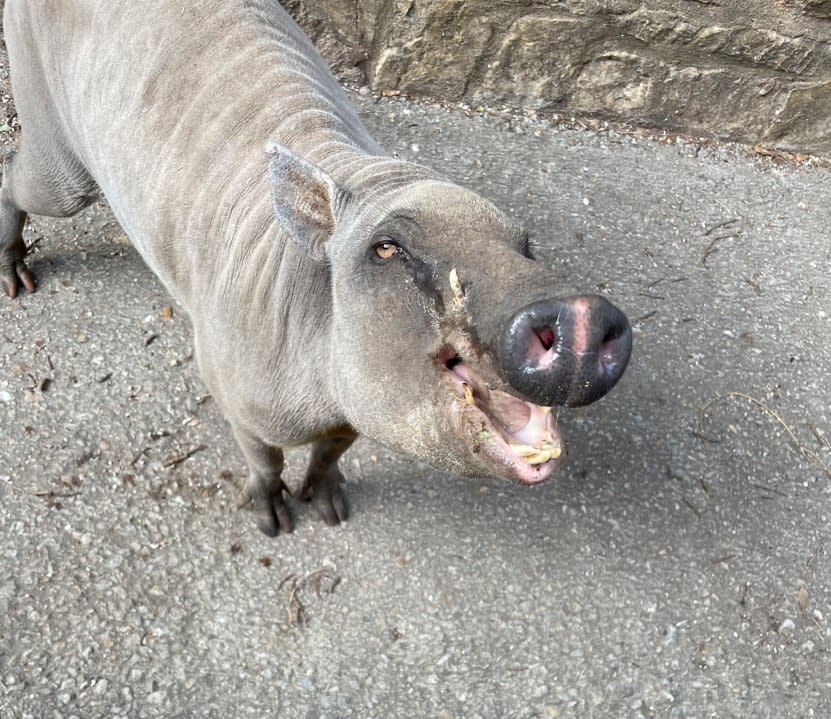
[[518, 437]]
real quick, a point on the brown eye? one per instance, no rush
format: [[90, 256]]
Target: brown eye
[[386, 250]]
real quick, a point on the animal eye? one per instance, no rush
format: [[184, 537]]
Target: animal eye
[[386, 250], [525, 246]]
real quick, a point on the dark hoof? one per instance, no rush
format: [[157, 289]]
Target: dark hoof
[[17, 276], [271, 512], [327, 497], [273, 517]]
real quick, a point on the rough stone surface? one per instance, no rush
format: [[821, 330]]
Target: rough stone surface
[[752, 70]]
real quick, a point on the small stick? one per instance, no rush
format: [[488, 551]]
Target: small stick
[[297, 615], [285, 579], [47, 493], [652, 284], [709, 250], [720, 225], [694, 509], [296, 610], [174, 461], [820, 438], [138, 456], [765, 488], [700, 435], [645, 317]]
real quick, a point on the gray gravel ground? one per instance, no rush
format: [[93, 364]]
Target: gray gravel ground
[[678, 566]]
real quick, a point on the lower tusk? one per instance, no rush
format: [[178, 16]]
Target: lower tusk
[[468, 394], [536, 455]]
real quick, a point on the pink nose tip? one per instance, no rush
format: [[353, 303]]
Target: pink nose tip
[[568, 351]]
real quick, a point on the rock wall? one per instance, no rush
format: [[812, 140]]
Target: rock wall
[[746, 70]]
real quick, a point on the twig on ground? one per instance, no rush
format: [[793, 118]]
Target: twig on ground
[[42, 493], [710, 231], [821, 438], [766, 488], [178, 459], [645, 317], [694, 509], [296, 610]]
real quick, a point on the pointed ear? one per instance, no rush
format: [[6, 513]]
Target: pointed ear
[[306, 200]]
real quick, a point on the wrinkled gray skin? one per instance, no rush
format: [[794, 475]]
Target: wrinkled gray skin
[[303, 333]]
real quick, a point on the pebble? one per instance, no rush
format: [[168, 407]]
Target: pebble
[[157, 697], [787, 626], [5, 396]]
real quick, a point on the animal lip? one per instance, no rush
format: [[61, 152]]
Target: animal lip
[[520, 438]]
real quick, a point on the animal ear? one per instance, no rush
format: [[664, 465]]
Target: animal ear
[[306, 200]]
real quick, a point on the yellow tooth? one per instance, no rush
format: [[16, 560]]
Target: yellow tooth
[[468, 394], [537, 455], [525, 450], [554, 448], [540, 457]]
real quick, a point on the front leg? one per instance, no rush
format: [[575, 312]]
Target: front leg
[[323, 478], [265, 488], [14, 273]]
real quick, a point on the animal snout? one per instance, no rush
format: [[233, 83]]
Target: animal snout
[[568, 351]]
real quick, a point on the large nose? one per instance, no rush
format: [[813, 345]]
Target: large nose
[[567, 351]]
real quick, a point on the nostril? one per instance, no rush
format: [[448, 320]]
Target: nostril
[[547, 337], [611, 335], [614, 349], [609, 344]]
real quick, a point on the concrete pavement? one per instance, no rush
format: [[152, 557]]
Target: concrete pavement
[[679, 566]]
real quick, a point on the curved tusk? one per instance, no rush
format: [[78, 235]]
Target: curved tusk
[[458, 290]]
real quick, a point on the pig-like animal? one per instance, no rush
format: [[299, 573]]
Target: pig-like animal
[[333, 290]]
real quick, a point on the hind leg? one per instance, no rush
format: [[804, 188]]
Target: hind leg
[[58, 187]]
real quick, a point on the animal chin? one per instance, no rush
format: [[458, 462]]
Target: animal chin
[[511, 437]]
